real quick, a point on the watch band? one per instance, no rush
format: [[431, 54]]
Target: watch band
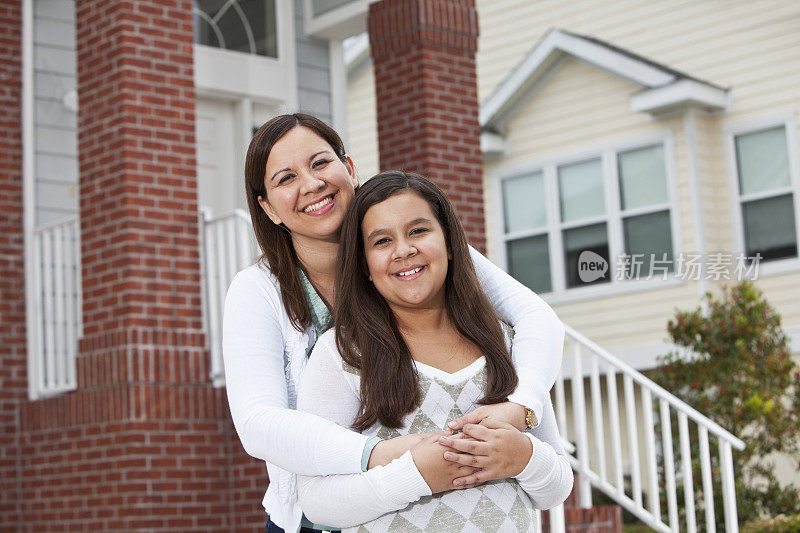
[[530, 418]]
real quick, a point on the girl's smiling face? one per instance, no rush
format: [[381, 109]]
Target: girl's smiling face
[[406, 251], [308, 187]]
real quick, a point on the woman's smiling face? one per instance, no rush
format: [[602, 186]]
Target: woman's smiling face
[[406, 251], [308, 187]]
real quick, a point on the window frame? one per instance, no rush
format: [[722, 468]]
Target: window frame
[[730, 132], [234, 75], [613, 216]]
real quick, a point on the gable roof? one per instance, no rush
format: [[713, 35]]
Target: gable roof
[[664, 88]]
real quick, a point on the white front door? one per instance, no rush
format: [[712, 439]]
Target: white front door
[[221, 183]]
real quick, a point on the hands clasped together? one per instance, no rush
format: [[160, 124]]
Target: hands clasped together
[[483, 445]]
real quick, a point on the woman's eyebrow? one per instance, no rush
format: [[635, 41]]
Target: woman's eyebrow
[[278, 172], [309, 159], [316, 154]]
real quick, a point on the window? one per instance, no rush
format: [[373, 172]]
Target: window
[[560, 216], [526, 224], [644, 203], [239, 25], [582, 207], [765, 193]]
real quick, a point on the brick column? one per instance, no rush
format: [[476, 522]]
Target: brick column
[[138, 191], [423, 53], [145, 442], [13, 384]]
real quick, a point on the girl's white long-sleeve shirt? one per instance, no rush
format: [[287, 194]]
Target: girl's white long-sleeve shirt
[[265, 356], [330, 388]]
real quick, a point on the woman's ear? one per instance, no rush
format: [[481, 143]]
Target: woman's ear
[[269, 211], [351, 168]]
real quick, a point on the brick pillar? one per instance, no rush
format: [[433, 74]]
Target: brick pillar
[[13, 384], [145, 442], [423, 53]]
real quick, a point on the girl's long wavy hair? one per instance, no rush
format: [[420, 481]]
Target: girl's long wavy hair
[[277, 250], [367, 334]]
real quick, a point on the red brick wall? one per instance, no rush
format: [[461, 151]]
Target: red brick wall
[[598, 519], [138, 186], [423, 53], [13, 380], [145, 442]]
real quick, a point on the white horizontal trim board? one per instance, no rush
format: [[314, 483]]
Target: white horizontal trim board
[[668, 97]]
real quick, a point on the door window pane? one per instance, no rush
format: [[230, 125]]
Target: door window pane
[[240, 25], [593, 239], [642, 177], [529, 262], [523, 203], [580, 187], [769, 227], [648, 238], [762, 161]]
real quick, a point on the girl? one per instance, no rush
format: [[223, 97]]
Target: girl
[[416, 344], [299, 184]]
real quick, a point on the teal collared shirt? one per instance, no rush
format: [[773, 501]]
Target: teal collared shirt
[[322, 320], [321, 317]]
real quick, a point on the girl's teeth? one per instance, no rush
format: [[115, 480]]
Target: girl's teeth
[[409, 272], [318, 205]]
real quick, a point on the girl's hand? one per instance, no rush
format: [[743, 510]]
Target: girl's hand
[[508, 412], [387, 451], [438, 473], [498, 449]]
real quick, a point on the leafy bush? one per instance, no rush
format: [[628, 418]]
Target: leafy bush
[[779, 524], [737, 370]]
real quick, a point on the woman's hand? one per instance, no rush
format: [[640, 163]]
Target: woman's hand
[[438, 473], [498, 449], [508, 412], [387, 451]]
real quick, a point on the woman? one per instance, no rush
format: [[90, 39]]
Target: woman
[[299, 184], [415, 344]]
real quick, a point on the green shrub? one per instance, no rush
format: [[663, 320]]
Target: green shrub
[[779, 524], [739, 373]]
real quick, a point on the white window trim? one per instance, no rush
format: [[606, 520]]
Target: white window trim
[[787, 120], [235, 75], [612, 217]]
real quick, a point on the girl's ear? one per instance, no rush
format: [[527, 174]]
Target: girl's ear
[[269, 211]]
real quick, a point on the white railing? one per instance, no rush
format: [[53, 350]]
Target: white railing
[[634, 443], [57, 320], [229, 245]]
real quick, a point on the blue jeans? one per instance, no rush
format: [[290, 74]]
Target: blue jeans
[[272, 528]]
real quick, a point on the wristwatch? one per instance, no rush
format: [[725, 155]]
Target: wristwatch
[[530, 418]]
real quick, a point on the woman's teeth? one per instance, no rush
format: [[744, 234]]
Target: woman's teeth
[[319, 205], [409, 272]]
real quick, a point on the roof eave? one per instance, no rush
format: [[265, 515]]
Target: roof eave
[[679, 95]]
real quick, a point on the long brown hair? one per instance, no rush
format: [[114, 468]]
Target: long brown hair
[[367, 335], [277, 251]]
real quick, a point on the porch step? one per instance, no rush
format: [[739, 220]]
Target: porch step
[[597, 519]]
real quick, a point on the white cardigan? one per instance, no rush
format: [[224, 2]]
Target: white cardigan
[[265, 356]]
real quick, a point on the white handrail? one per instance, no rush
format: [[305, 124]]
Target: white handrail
[[656, 389], [228, 246], [56, 323], [649, 457]]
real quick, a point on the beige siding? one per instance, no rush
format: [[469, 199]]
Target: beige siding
[[362, 129], [730, 43], [747, 46]]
